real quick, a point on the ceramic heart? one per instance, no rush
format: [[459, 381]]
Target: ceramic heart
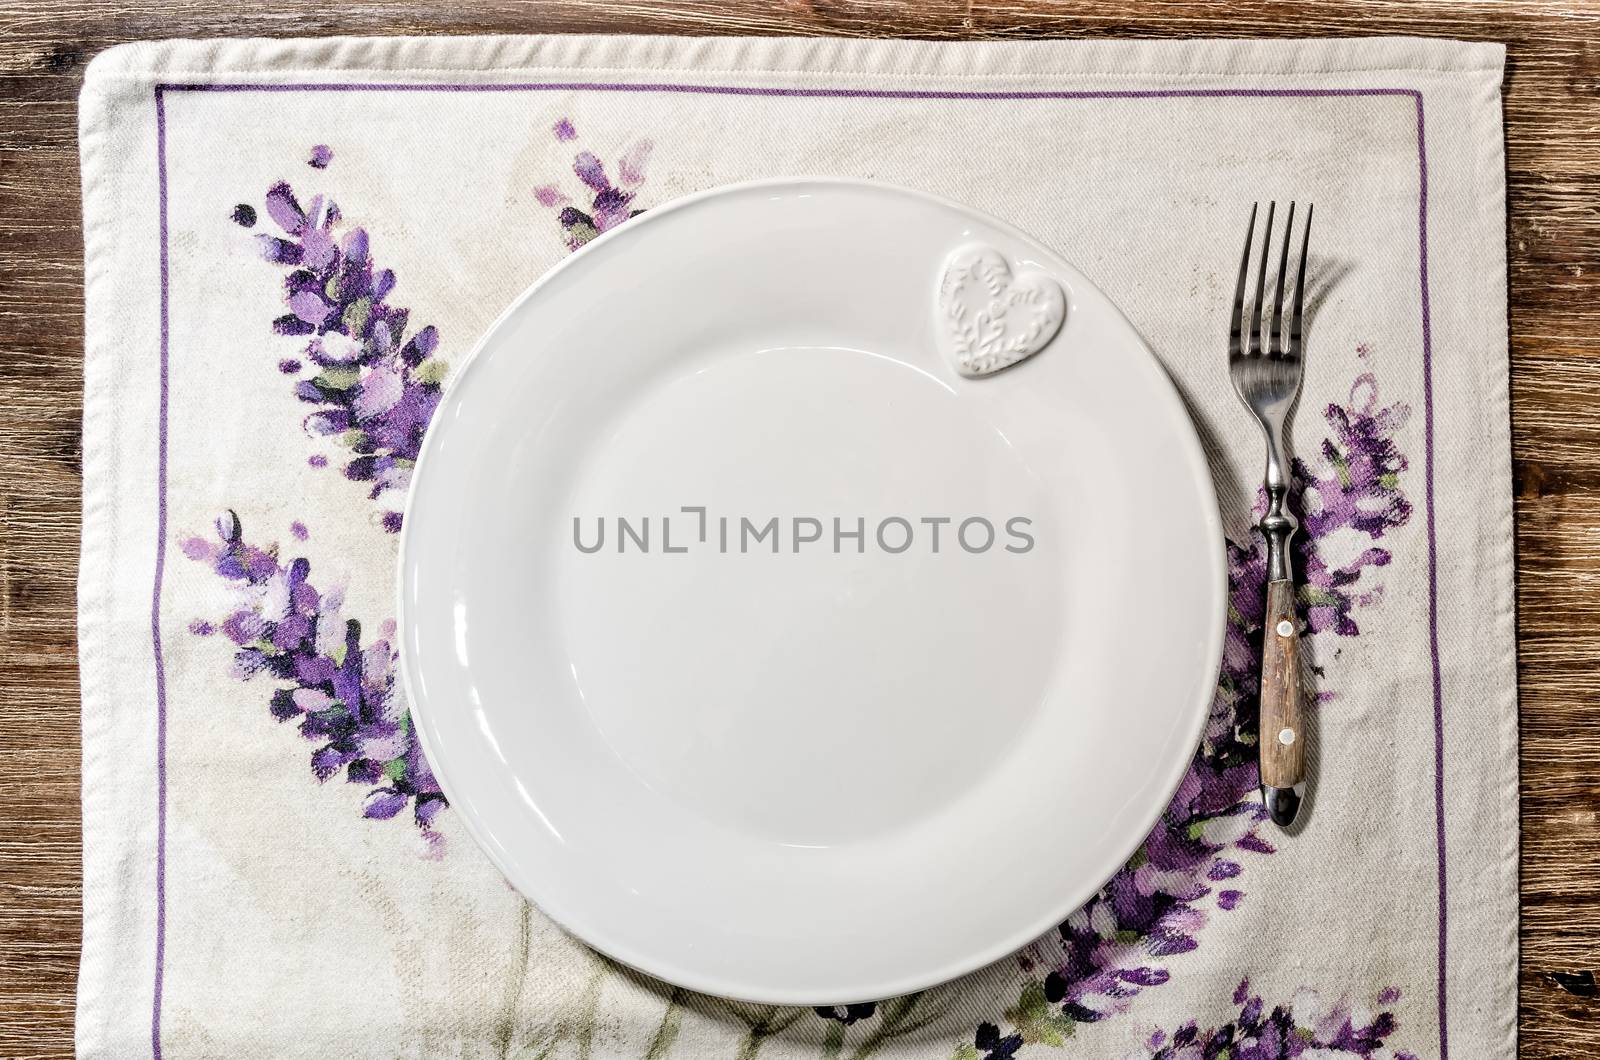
[[991, 318]]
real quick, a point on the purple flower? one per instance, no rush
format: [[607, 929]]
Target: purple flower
[[1304, 1026], [284, 208], [610, 202], [344, 695], [321, 155], [1356, 486], [374, 387], [992, 1046], [384, 803]]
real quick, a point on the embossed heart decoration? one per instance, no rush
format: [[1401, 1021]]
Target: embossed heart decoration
[[989, 317]]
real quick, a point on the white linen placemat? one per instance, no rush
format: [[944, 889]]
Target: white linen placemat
[[289, 243]]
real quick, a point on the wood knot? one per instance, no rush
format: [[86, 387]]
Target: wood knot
[[1579, 984]]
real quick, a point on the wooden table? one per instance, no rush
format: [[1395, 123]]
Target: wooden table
[[1553, 154]]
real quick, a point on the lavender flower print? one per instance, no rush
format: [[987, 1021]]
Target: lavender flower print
[[343, 693], [989, 1044], [1306, 1026], [373, 388], [1114, 947], [1357, 488], [609, 203], [373, 384]]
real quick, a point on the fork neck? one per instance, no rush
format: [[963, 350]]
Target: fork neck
[[1278, 525]]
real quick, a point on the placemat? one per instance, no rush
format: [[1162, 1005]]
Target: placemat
[[290, 243]]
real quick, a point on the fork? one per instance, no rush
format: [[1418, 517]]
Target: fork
[[1268, 382]]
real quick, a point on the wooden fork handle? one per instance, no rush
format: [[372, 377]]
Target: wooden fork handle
[[1282, 738]]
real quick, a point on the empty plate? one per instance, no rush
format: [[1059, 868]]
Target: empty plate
[[810, 591]]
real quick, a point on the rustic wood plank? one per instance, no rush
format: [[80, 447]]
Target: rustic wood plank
[[1553, 161]]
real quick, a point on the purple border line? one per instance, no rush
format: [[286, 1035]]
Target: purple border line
[[155, 600], [784, 93], [1433, 570], [798, 93]]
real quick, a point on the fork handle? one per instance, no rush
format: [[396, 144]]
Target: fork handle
[[1282, 738]]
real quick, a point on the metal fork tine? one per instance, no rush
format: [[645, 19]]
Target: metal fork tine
[[1275, 336], [1300, 287], [1261, 285], [1236, 326]]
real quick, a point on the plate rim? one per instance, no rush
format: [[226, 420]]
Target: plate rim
[[1194, 451]]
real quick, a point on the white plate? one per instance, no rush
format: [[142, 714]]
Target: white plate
[[813, 776]]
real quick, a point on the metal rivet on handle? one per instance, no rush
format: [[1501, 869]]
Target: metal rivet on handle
[[1286, 737], [1285, 628]]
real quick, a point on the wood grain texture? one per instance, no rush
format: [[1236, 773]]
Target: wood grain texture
[[1553, 156], [1283, 764]]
